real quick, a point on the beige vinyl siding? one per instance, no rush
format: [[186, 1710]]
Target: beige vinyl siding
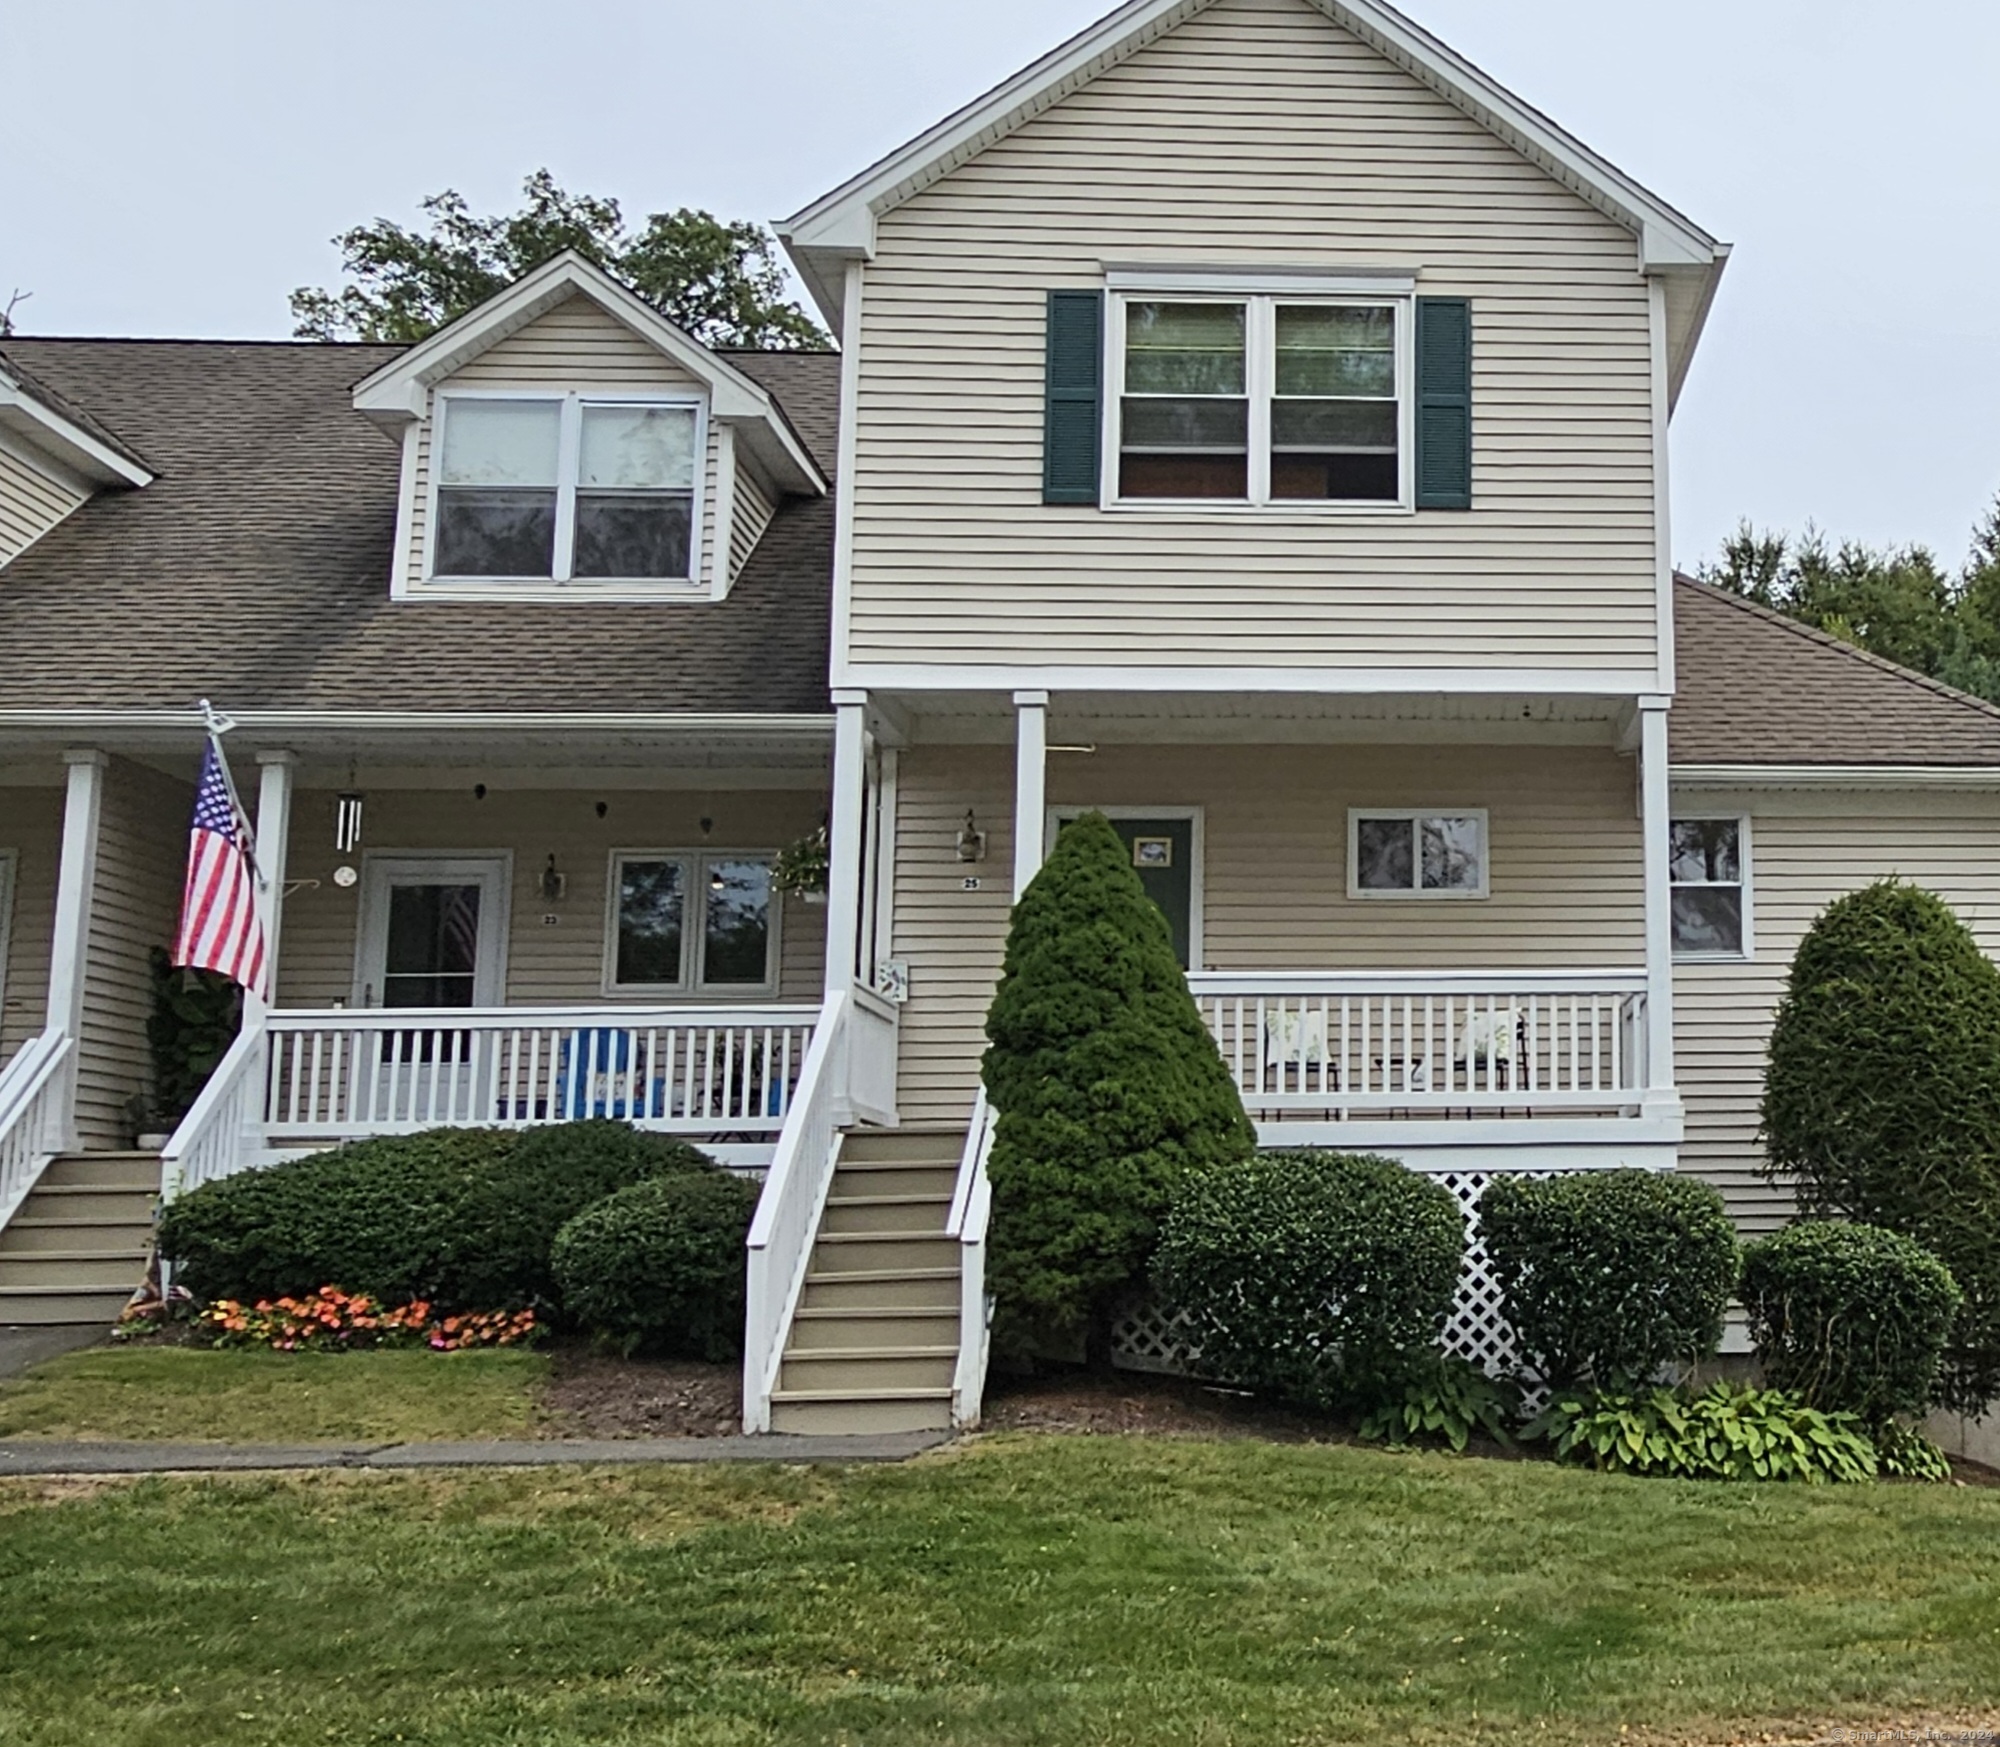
[[1565, 870], [547, 964], [574, 346], [1257, 134], [1806, 850], [141, 868], [31, 836], [756, 504], [32, 501]]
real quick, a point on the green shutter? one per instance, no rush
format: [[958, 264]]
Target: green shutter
[[1444, 403], [1073, 410]]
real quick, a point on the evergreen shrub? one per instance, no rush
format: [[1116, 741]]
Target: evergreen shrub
[[1323, 1278], [659, 1266], [1851, 1318], [1107, 1089], [1882, 1098], [1606, 1276], [463, 1218]]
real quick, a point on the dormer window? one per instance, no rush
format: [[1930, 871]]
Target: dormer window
[[548, 488]]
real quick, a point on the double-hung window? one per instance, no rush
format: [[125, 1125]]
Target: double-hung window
[[1708, 866], [692, 923], [568, 488], [1263, 399]]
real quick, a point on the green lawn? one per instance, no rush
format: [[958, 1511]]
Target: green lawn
[[1023, 1590], [198, 1394]]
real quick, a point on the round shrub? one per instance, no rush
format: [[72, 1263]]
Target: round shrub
[[660, 1266], [1851, 1318], [461, 1217], [1606, 1276], [1106, 1088], [1320, 1277], [1882, 1098]]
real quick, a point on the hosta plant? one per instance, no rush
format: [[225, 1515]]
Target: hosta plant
[[1723, 1433]]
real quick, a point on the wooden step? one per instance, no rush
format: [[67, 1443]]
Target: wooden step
[[103, 1170], [883, 1289], [870, 1326], [31, 1306], [868, 1370], [868, 1181], [852, 1213], [893, 1145], [839, 1413], [89, 1270], [878, 1251], [29, 1234], [99, 1203]]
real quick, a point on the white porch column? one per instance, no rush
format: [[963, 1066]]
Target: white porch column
[[274, 833], [1031, 745], [844, 834], [1655, 809], [76, 884]]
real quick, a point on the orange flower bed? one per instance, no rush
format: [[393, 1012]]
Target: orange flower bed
[[333, 1320]]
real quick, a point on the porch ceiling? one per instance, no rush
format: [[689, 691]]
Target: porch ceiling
[[1273, 717]]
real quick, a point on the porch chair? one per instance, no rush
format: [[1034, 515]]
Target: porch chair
[[1295, 1046], [1497, 1037], [594, 1078]]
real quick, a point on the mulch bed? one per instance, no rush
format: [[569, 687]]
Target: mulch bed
[[592, 1394], [1141, 1402]]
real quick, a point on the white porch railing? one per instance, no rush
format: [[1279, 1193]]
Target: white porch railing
[[222, 1131], [34, 1114], [1339, 1045], [971, 1209], [689, 1070], [788, 1211]]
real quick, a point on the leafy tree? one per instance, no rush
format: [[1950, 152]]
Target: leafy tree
[[1108, 1089], [1882, 1097], [720, 281]]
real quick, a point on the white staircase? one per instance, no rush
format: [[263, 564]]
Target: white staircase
[[77, 1249], [874, 1342]]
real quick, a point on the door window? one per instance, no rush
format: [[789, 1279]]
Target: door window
[[1162, 854], [432, 956]]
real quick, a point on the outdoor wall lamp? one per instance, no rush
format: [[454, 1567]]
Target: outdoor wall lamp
[[971, 840], [553, 883]]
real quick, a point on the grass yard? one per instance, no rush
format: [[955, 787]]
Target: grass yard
[[200, 1395], [1025, 1589]]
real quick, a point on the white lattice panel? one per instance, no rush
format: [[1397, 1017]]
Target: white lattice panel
[[1144, 1338]]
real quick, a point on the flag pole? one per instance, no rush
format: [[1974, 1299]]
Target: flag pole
[[217, 724]]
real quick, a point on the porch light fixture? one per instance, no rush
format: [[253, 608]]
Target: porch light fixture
[[553, 883], [971, 840], [347, 823]]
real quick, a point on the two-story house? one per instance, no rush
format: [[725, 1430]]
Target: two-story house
[[1249, 421]]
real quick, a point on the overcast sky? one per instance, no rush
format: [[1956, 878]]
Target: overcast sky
[[179, 168]]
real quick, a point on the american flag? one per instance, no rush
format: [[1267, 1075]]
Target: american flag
[[220, 927]]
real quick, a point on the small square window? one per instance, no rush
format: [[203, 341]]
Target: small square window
[[1707, 863], [1394, 853], [692, 922]]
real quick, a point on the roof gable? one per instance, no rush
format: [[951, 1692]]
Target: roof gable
[[840, 225], [400, 391], [60, 429]]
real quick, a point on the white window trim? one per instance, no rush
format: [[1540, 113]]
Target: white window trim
[[1748, 948], [560, 587], [1260, 339], [1198, 816], [1418, 893], [694, 931]]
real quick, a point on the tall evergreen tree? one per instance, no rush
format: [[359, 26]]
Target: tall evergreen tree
[[1107, 1088]]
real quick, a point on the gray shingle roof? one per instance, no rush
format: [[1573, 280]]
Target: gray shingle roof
[[255, 568], [1759, 688]]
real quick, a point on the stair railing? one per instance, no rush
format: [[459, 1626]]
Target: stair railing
[[34, 1114], [788, 1213], [222, 1132], [971, 1210]]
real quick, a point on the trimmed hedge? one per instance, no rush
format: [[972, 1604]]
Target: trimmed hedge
[[1107, 1088], [1882, 1098], [461, 1217], [1609, 1275], [659, 1267], [1321, 1277], [1850, 1318]]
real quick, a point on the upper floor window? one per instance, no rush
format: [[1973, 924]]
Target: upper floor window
[[561, 488], [1262, 399]]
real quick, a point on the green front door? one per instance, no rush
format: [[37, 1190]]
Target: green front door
[[1162, 852]]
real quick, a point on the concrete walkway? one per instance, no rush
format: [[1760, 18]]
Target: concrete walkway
[[25, 1344], [60, 1456]]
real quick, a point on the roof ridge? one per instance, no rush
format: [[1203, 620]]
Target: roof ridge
[[197, 340], [1827, 640]]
